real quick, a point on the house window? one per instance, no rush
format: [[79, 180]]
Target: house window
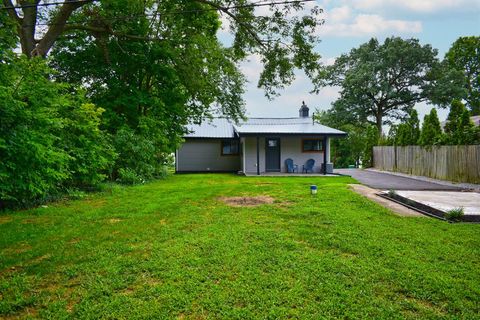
[[312, 145], [230, 147]]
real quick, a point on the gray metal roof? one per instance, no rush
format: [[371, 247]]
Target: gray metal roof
[[214, 128], [222, 128], [284, 126]]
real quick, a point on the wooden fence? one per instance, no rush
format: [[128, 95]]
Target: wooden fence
[[452, 163]]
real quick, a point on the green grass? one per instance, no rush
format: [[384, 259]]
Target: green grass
[[170, 249]]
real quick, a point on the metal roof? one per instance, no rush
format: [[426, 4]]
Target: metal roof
[[223, 128], [284, 126], [214, 128]]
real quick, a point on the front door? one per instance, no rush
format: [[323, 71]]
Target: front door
[[272, 154]]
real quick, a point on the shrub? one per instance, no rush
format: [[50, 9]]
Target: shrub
[[129, 176], [455, 214], [392, 193], [139, 158], [49, 136]]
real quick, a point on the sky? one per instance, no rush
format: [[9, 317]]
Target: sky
[[348, 24]]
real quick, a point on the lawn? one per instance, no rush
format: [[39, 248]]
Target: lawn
[[171, 249]]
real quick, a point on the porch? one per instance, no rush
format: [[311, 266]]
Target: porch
[[266, 154], [285, 174]]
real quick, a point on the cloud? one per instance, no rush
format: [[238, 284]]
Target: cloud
[[338, 23], [419, 6]]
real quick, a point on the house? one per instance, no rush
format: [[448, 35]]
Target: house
[[256, 146]]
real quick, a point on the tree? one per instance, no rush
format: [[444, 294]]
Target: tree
[[459, 129], [431, 133], [156, 65], [464, 55], [382, 82], [284, 38], [408, 132], [356, 148]]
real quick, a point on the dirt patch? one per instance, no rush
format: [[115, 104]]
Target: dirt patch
[[114, 220], [247, 201]]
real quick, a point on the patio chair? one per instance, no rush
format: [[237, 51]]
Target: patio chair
[[308, 166], [291, 167]]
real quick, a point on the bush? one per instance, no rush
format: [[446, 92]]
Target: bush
[[139, 158], [49, 136], [454, 214], [392, 193], [129, 176]]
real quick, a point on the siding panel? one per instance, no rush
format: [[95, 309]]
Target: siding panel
[[204, 155]]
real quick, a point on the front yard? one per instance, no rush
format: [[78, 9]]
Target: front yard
[[171, 249]]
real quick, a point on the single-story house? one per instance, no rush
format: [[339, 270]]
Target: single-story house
[[256, 146]]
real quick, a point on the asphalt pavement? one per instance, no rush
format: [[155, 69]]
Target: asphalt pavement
[[385, 181]]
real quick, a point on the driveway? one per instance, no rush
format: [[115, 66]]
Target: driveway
[[385, 181]]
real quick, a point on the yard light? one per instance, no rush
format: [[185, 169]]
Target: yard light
[[313, 189]]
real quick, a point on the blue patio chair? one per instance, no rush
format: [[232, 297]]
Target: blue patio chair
[[308, 166], [291, 167]]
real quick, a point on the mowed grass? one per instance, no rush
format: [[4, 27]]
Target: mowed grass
[[171, 249]]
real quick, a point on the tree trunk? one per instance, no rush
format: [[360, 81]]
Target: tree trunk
[[27, 24]]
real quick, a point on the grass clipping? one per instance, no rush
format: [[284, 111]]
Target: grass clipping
[[247, 201]]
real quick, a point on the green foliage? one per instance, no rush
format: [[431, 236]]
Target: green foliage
[[431, 133], [49, 136], [464, 55], [382, 82], [455, 215], [372, 137], [356, 148], [392, 193], [139, 159], [408, 132], [459, 129]]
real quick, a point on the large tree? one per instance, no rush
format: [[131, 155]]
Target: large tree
[[284, 38], [464, 55], [156, 65], [382, 82]]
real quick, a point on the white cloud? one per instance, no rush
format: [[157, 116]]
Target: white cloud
[[420, 6], [365, 25], [338, 14]]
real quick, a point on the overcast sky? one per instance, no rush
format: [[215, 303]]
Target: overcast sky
[[349, 23]]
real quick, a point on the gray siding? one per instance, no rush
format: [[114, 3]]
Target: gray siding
[[205, 155], [290, 147]]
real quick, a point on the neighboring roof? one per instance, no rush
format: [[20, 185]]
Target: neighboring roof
[[214, 128], [223, 128]]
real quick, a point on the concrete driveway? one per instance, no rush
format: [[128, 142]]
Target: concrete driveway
[[385, 181]]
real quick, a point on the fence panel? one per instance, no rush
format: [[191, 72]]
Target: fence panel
[[453, 163]]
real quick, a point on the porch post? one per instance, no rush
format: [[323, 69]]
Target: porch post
[[258, 156], [325, 154]]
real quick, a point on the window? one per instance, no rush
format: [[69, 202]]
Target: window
[[230, 147], [272, 143], [312, 145]]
